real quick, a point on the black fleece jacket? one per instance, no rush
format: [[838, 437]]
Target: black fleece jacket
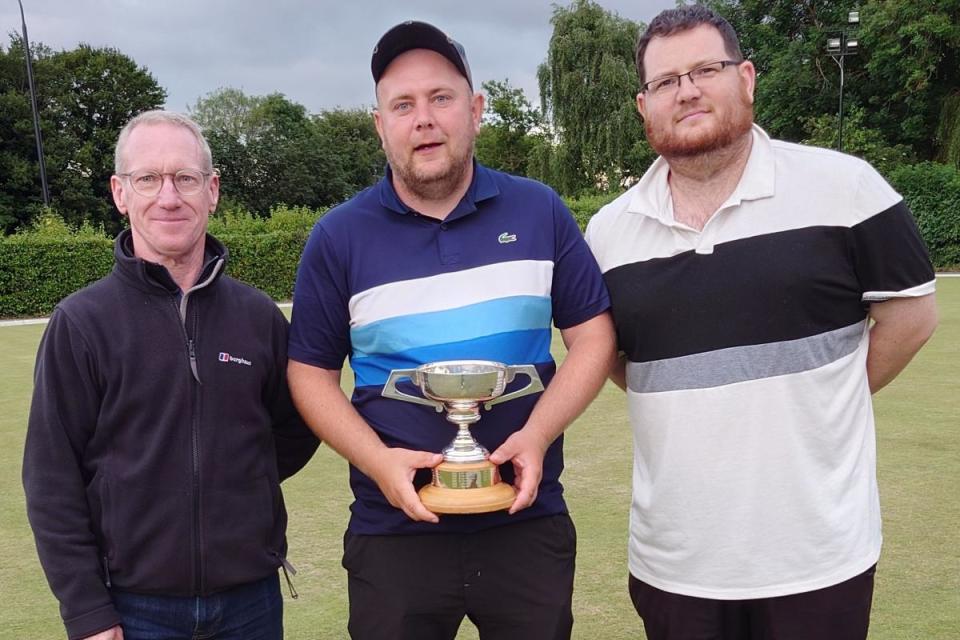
[[160, 428]]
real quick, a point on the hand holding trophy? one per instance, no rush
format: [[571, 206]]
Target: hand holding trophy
[[466, 481]]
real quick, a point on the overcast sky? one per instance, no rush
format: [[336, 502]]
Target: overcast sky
[[316, 53]]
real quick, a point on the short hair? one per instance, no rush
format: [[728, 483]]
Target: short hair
[[158, 116], [684, 18]]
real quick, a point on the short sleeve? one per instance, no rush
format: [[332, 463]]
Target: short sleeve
[[578, 289], [320, 324], [890, 257]]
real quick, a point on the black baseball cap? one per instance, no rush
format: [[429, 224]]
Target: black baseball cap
[[417, 35]]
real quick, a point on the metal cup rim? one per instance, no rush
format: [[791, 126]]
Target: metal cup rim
[[498, 366]]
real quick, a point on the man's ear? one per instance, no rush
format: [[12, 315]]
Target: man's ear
[[476, 110], [378, 124], [118, 191], [214, 190], [748, 75], [642, 104]]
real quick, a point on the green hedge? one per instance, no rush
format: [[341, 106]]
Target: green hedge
[[48, 262], [932, 191], [264, 252], [266, 261], [36, 273], [584, 207], [41, 266]]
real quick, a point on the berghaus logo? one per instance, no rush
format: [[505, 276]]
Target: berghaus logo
[[226, 357]]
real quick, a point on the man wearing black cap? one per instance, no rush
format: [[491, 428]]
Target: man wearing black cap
[[445, 259]]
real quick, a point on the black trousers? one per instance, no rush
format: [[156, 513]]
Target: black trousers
[[512, 582], [838, 612]]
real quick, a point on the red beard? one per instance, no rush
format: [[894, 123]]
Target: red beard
[[732, 127]]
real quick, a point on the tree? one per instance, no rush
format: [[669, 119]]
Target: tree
[[511, 129], [352, 138], [948, 130], [84, 96], [20, 197], [588, 86], [226, 110], [913, 67], [907, 65], [270, 151], [859, 140]]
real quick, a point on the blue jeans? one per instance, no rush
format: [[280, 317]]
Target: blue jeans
[[252, 611]]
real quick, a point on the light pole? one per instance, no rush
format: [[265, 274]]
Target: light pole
[[36, 114], [839, 47]]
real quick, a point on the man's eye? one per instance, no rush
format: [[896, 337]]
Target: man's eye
[[401, 106], [664, 83], [187, 180], [147, 179]]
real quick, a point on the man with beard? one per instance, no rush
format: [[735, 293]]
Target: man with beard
[[761, 292], [444, 259]]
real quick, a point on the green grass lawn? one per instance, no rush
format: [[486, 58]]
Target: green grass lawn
[[918, 581]]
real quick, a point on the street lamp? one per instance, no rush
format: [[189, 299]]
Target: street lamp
[[36, 114], [839, 46]]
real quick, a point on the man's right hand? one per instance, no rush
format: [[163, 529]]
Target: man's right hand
[[113, 633], [394, 473], [327, 411]]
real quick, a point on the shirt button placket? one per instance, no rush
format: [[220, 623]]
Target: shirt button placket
[[447, 244]]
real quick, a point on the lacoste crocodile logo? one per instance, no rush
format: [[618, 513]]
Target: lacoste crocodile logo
[[506, 238]]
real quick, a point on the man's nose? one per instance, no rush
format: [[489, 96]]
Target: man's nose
[[424, 117], [168, 192], [688, 89]]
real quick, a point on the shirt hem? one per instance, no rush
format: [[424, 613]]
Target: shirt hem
[[752, 593]]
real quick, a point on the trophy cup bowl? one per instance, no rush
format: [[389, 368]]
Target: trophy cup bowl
[[466, 481]]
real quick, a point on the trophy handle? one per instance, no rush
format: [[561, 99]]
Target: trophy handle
[[390, 389], [533, 386]]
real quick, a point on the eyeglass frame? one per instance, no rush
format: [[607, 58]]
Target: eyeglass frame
[[173, 179], [689, 74]]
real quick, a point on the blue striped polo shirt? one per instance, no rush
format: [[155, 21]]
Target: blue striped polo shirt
[[391, 289]]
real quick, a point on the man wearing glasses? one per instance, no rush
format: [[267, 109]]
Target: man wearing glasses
[[161, 423], [762, 291]]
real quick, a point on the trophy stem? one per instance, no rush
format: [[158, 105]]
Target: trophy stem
[[464, 447], [465, 440]]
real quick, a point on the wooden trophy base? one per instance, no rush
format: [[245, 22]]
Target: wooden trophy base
[[467, 487]]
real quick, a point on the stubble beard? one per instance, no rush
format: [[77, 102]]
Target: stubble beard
[[730, 130], [432, 185]]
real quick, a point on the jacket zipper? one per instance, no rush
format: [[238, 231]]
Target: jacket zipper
[[197, 505], [106, 573], [194, 446], [288, 570], [195, 424]]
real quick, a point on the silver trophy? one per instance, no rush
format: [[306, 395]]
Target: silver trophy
[[465, 482]]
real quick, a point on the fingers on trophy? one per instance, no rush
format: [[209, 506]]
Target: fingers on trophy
[[466, 481]]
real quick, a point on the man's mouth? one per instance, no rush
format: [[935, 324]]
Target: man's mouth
[[691, 115], [426, 147]]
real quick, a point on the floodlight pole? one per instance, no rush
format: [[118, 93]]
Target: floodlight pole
[[838, 49], [33, 105], [840, 109]]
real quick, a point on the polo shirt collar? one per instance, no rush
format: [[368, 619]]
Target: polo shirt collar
[[652, 194], [482, 187]]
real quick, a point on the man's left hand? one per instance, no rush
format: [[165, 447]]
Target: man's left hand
[[525, 450]]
